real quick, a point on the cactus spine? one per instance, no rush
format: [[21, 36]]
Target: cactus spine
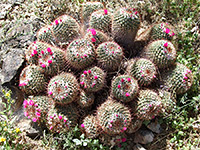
[[63, 88], [124, 88]]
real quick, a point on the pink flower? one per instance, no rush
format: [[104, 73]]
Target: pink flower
[[56, 22], [43, 65], [122, 80], [85, 55], [25, 113], [49, 61], [51, 117], [31, 103], [42, 52], [89, 71], [38, 114], [82, 125], [129, 79], [105, 11], [167, 30], [93, 31], [124, 128], [172, 34], [142, 75], [60, 117], [82, 83], [166, 44], [50, 92], [185, 77], [123, 139], [93, 39], [35, 52], [127, 94], [25, 103], [119, 86], [65, 120], [49, 49], [34, 119], [95, 77], [136, 13], [154, 76], [51, 127], [85, 72]]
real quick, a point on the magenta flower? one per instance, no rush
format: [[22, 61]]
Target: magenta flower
[[119, 86], [123, 139], [93, 31], [35, 52], [93, 39], [166, 45], [127, 94], [124, 128], [31, 103], [56, 22], [50, 92], [43, 65], [25, 113], [60, 117], [34, 119], [167, 30], [49, 61], [95, 77], [38, 114], [49, 49], [105, 11], [82, 125]]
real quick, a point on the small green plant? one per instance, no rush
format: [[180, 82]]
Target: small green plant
[[9, 134], [73, 140]]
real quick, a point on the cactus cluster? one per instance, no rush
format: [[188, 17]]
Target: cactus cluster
[[74, 67]]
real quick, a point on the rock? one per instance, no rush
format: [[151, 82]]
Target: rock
[[26, 125], [143, 136], [16, 95], [138, 147], [155, 127], [12, 61]]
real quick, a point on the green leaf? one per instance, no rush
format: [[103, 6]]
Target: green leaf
[[77, 141]]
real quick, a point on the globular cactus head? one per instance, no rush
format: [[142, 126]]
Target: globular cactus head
[[148, 105], [62, 118], [178, 79], [143, 70], [168, 100], [65, 29], [90, 126], [95, 36], [92, 79], [161, 52], [37, 107], [161, 31], [86, 99], [32, 81], [113, 117], [101, 20], [109, 55], [88, 8], [52, 60], [80, 53], [124, 88], [63, 88], [33, 51], [45, 34], [125, 24]]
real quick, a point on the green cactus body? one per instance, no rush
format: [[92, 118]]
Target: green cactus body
[[95, 36], [109, 55], [65, 29], [31, 80], [52, 60], [45, 34], [161, 52], [178, 79], [124, 88], [63, 88], [161, 31], [168, 100], [32, 53], [113, 117], [90, 126], [92, 79], [149, 105], [88, 8], [37, 107], [101, 20], [126, 22], [62, 118], [143, 70], [86, 99], [80, 53]]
